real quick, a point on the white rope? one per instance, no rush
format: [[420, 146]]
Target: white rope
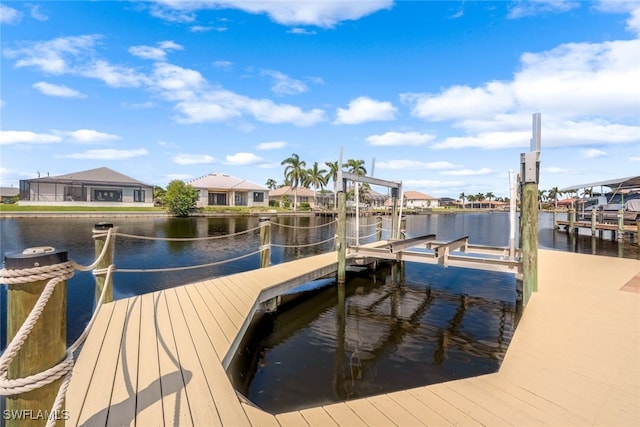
[[303, 246], [186, 239], [299, 226], [190, 267], [107, 243]]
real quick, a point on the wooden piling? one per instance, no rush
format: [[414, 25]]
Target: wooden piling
[[572, 220], [265, 242], [100, 239], [621, 224], [593, 222], [45, 346], [378, 228], [529, 239], [342, 236]]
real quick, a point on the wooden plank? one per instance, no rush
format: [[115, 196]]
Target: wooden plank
[[149, 393], [223, 319], [371, 415], [318, 417], [395, 412], [451, 393], [176, 379], [96, 406], [445, 409], [291, 419], [202, 407], [222, 392], [214, 331], [85, 365], [413, 405], [218, 292], [122, 410], [343, 415], [258, 417]]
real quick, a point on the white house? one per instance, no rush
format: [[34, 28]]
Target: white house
[[220, 189], [418, 200], [93, 187]]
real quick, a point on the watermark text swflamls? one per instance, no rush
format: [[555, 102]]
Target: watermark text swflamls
[[29, 414]]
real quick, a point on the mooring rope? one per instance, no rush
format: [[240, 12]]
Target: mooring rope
[[186, 239], [304, 227], [189, 267], [302, 246]]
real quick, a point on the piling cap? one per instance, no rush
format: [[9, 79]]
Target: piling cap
[[35, 257], [101, 226]]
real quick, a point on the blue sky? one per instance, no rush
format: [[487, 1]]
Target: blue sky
[[440, 93]]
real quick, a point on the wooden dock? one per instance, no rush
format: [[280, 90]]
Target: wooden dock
[[157, 359]]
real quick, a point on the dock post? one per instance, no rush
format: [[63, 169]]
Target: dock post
[[530, 175], [593, 222], [403, 228], [265, 242], [394, 213], [100, 239], [621, 224], [46, 344], [555, 219], [572, 220], [342, 236], [378, 228]]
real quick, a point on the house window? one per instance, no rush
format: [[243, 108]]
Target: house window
[[303, 199], [107, 195], [258, 196], [138, 195], [241, 199], [217, 199]]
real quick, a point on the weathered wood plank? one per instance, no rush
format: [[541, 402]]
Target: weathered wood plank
[[122, 410], [222, 392], [149, 393], [96, 406], [85, 365]]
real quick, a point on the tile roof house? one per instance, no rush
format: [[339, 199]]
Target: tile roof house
[[220, 189], [7, 194], [93, 187], [303, 195], [416, 199]]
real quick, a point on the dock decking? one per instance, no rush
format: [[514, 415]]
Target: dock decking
[[157, 359]]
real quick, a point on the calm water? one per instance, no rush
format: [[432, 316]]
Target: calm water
[[74, 235]]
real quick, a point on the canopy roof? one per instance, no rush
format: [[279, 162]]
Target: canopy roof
[[614, 184]]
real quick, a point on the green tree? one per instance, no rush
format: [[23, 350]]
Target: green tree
[[332, 174], [463, 197], [180, 198], [271, 184], [294, 174], [316, 178], [553, 194], [356, 167], [158, 194]]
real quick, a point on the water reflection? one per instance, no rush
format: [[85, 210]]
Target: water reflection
[[375, 335]]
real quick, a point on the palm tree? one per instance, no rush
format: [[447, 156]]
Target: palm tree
[[489, 197], [332, 174], [463, 198], [480, 198], [541, 197], [553, 194], [472, 198], [356, 167], [316, 178], [294, 175], [271, 184]]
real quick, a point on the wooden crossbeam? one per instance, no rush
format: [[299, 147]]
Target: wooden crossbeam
[[442, 250]]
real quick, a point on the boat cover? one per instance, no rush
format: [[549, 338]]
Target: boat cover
[[633, 205]]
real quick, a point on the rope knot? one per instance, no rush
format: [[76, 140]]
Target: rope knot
[[61, 271]]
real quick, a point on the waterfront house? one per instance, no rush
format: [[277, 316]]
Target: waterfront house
[[286, 193], [94, 187], [220, 189], [8, 194], [418, 200]]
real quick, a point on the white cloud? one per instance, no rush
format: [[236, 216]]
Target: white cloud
[[9, 15], [524, 8], [592, 153], [557, 170], [88, 136], [285, 85], [241, 159], [364, 109], [114, 75], [2, 103], [415, 164], [58, 90], [108, 154], [302, 31], [155, 53], [8, 137], [180, 176], [398, 138], [468, 172], [55, 56], [193, 159], [37, 14], [324, 14], [634, 159], [272, 145], [176, 83], [223, 65]]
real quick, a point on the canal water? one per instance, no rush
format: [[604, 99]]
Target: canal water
[[413, 325]]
